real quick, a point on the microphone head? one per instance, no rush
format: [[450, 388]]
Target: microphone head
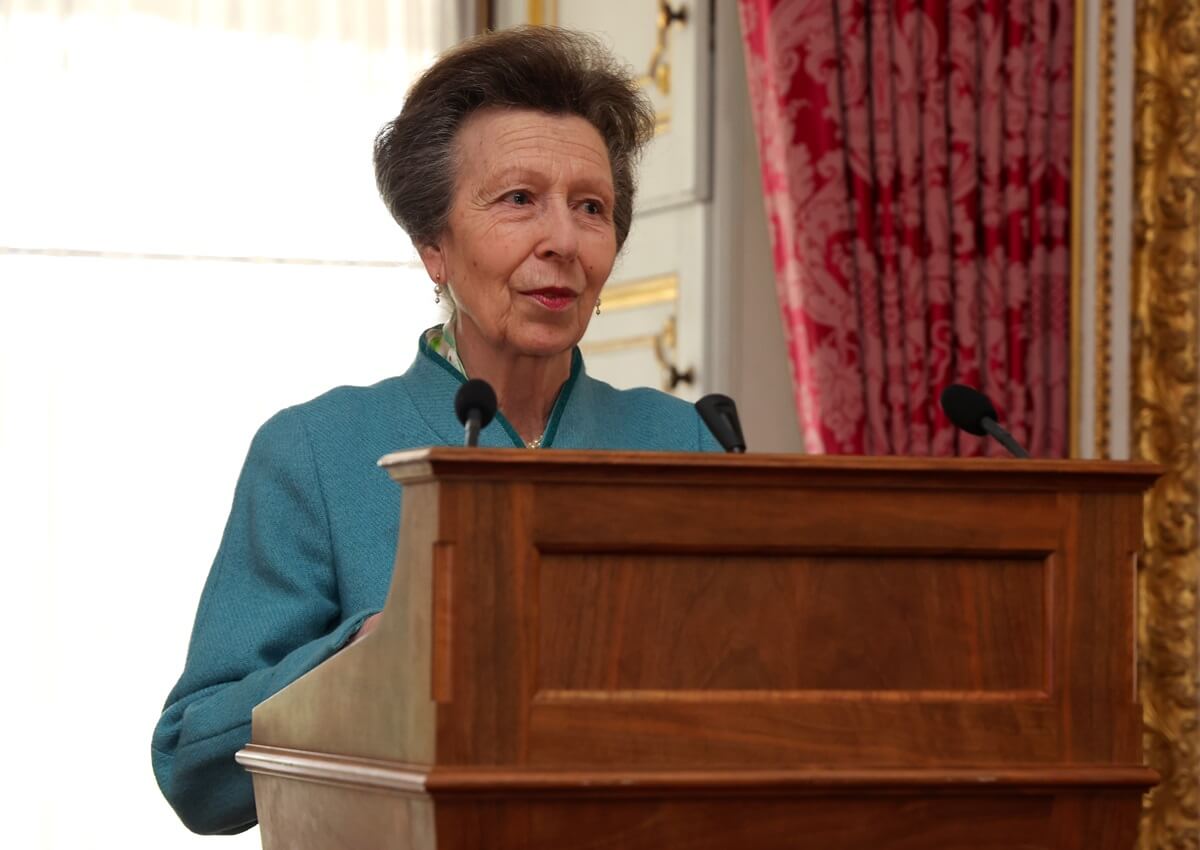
[[967, 408], [720, 415], [475, 394]]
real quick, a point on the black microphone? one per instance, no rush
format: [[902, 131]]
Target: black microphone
[[720, 415], [475, 404], [970, 410]]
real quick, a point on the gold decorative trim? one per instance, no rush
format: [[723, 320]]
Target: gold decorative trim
[[632, 295], [1165, 306], [664, 344], [543, 13], [1101, 354], [641, 293], [1102, 442], [1079, 116], [658, 71]]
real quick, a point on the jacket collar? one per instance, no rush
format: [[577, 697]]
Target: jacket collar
[[437, 381]]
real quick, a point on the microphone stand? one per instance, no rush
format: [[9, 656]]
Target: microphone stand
[[1003, 437], [472, 428]]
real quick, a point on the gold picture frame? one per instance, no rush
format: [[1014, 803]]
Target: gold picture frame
[[1165, 421]]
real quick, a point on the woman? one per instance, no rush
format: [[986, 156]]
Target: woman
[[511, 167]]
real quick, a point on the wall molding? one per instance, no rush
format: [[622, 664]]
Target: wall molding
[[1165, 413]]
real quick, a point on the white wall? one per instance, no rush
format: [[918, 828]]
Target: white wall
[[130, 387], [748, 356], [129, 391]]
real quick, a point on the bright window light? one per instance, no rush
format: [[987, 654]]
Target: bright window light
[[190, 240]]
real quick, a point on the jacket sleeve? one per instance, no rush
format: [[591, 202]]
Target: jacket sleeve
[[269, 613]]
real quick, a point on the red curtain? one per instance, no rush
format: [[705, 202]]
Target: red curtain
[[916, 161]]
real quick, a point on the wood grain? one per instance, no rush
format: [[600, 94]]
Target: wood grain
[[588, 649], [774, 624]]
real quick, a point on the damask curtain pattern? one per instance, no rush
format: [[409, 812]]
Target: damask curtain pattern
[[916, 160]]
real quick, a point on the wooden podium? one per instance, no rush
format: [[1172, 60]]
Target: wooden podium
[[713, 652]]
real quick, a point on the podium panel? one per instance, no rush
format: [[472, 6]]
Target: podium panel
[[587, 649]]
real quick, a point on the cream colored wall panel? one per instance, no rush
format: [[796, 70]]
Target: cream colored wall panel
[[667, 244], [707, 231], [677, 78], [635, 346]]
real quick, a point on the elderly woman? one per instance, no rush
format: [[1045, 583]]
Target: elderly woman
[[511, 167]]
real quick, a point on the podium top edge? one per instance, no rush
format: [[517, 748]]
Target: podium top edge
[[454, 462]]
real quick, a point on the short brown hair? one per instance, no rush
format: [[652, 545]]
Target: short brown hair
[[544, 68]]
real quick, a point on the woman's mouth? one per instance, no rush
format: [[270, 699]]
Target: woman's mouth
[[553, 297]]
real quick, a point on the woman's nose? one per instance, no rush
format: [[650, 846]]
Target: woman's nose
[[560, 238]]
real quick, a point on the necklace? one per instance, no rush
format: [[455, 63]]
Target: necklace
[[536, 444]]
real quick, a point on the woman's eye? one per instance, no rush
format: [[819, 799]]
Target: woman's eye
[[592, 207], [519, 198]]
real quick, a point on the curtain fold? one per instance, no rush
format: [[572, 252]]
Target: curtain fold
[[916, 168]]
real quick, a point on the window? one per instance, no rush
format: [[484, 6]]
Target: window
[[190, 239]]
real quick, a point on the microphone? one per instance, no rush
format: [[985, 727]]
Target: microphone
[[970, 410], [475, 404], [720, 415]]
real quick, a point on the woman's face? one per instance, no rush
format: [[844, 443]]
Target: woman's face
[[530, 239]]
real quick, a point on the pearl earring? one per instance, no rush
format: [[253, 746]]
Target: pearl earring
[[437, 294], [597, 306]]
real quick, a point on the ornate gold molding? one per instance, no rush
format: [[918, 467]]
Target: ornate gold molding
[[664, 345], [1102, 244], [663, 289], [658, 71], [543, 13], [1099, 123], [1164, 377], [635, 294]]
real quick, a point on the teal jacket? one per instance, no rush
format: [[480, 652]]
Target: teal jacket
[[307, 552]]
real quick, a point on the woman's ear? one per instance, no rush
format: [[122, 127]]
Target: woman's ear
[[435, 262]]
